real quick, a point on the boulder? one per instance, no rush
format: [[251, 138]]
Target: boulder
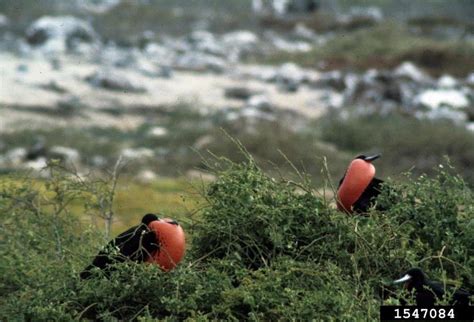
[[131, 154], [304, 32], [65, 153], [409, 71], [4, 21], [157, 131], [290, 73], [200, 62], [60, 34], [242, 39], [436, 98], [98, 6], [14, 157], [114, 81], [456, 116], [447, 81], [240, 93], [206, 42], [146, 176], [260, 102]]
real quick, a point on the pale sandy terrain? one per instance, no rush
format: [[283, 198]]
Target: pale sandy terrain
[[25, 103]]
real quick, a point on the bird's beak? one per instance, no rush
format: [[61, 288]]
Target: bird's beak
[[372, 158], [403, 279]]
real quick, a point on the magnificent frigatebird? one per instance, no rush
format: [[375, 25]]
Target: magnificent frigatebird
[[358, 188], [154, 240], [428, 292]]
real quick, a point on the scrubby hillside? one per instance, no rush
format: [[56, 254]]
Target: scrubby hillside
[[262, 248]]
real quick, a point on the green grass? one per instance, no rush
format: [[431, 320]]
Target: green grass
[[405, 143], [386, 46], [277, 146]]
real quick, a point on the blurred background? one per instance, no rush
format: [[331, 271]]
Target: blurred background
[[161, 82]]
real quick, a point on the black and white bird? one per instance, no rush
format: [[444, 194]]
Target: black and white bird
[[428, 292]]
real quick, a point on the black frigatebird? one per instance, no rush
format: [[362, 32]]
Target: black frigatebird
[[136, 244], [358, 188], [428, 292]]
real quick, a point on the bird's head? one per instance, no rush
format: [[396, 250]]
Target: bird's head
[[148, 218], [367, 158], [414, 277]]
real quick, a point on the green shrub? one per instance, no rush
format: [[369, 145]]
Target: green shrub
[[261, 249], [253, 218]]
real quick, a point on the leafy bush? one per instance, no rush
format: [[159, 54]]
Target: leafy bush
[[253, 218], [262, 249]]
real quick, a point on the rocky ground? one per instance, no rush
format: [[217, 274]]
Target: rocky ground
[[62, 74]]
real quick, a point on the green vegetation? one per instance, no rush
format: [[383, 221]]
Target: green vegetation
[[405, 142], [277, 146], [262, 249], [189, 135], [386, 46]]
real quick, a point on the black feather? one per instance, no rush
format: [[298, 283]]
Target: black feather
[[135, 244]]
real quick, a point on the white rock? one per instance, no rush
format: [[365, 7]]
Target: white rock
[[410, 71], [59, 34], [447, 81], [200, 62], [200, 175], [159, 54], [4, 21], [15, 156], [291, 72], [442, 97], [157, 131], [146, 176], [115, 80], [259, 102], [280, 7], [291, 46], [304, 32], [68, 154], [203, 141], [470, 79], [458, 117], [37, 164], [99, 161], [240, 38], [136, 154], [98, 6], [257, 6], [372, 13], [205, 41], [470, 126]]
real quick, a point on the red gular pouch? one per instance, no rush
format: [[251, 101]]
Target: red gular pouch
[[172, 243], [358, 177]]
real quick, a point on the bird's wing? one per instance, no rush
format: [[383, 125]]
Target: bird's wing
[[365, 200]]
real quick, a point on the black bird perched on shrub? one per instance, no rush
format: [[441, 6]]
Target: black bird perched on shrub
[[427, 292], [136, 244], [358, 188]]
